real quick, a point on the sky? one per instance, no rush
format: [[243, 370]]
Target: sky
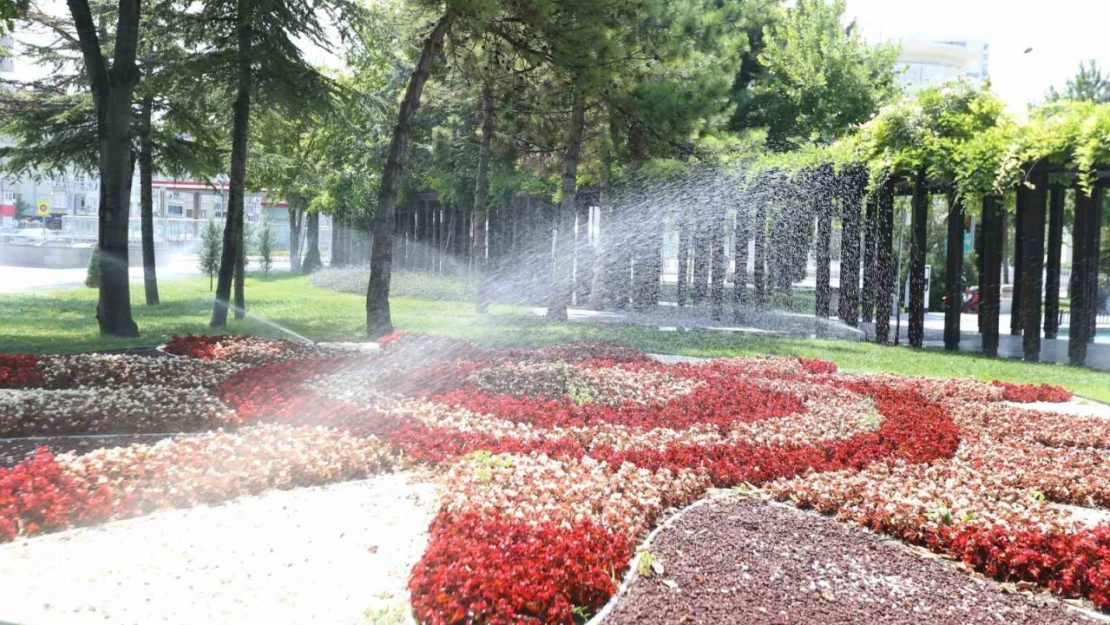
[[1062, 33]]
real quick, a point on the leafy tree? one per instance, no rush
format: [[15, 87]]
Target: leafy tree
[[112, 85], [209, 252], [9, 11], [23, 208], [54, 124], [1089, 84], [265, 247], [819, 77]]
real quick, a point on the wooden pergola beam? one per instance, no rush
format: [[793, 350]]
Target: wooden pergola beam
[[954, 267], [1033, 201], [918, 229]]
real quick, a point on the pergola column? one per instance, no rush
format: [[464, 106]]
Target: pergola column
[[684, 236], [884, 261], [824, 239], [1079, 327], [918, 226], [954, 268], [740, 237], [870, 228], [1032, 218], [848, 306], [1052, 272], [1019, 265], [1095, 232], [717, 263], [759, 271], [990, 280]]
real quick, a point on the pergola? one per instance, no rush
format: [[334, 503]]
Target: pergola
[[1040, 211]]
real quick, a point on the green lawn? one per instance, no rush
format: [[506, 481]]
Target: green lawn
[[63, 321]]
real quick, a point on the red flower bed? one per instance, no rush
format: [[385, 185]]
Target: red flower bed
[[19, 371], [1028, 393], [487, 569], [39, 496], [1073, 565], [197, 346]]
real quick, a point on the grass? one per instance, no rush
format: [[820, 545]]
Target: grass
[[64, 321]]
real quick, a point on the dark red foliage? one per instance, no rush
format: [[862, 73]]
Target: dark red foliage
[[816, 365], [37, 496], [199, 346], [434, 445], [1072, 565], [20, 371], [1028, 393], [721, 401], [277, 393], [482, 568]]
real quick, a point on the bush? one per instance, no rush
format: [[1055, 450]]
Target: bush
[[404, 284], [92, 277]]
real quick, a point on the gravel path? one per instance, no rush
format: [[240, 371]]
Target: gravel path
[[331, 555], [761, 564]]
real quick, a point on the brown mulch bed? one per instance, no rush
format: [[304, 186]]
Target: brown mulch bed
[[760, 564]]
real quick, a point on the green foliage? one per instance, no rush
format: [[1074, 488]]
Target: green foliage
[[23, 208], [211, 246], [1088, 85], [819, 78], [92, 275]]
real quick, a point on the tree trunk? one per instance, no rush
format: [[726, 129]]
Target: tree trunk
[[481, 202], [146, 195], [1019, 265], [295, 217], [312, 260], [564, 242], [702, 252], [233, 231], [338, 244], [112, 95], [919, 223], [378, 321]]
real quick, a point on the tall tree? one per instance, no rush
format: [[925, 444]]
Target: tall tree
[[252, 45], [112, 86], [378, 320]]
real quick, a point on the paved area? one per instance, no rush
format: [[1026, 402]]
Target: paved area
[[331, 555], [36, 279]]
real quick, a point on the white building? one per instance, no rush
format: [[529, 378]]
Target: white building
[[931, 62]]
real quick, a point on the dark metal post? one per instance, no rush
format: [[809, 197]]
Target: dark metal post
[[867, 301], [824, 236], [1019, 265], [848, 307], [954, 268], [919, 223], [759, 272], [1052, 273], [1033, 214], [884, 261], [1079, 325], [991, 279]]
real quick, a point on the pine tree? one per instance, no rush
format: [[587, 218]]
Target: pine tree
[[209, 261], [265, 247], [92, 276]]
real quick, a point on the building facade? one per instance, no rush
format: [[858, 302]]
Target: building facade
[[925, 63]]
